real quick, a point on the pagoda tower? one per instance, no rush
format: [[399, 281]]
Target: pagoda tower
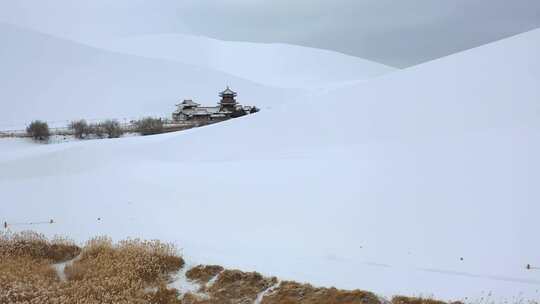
[[228, 99]]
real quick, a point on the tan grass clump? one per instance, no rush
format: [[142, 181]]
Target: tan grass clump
[[134, 260], [125, 270], [233, 287], [25, 279], [235, 284], [203, 273], [131, 271], [163, 295], [414, 300], [34, 245], [26, 274], [293, 292]]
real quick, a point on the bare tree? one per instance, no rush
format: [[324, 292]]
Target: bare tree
[[97, 129], [149, 126], [112, 128], [80, 128], [38, 130]]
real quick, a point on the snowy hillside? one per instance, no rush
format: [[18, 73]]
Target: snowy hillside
[[53, 79], [421, 182], [279, 65]]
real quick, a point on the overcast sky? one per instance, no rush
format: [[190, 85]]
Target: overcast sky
[[395, 32]]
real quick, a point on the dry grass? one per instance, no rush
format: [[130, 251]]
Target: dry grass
[[133, 260], [237, 287], [25, 279], [203, 273], [25, 271], [232, 287], [415, 300], [235, 284], [292, 292], [33, 245], [131, 271], [163, 295]]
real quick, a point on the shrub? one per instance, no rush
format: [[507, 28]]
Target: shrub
[[149, 126], [38, 130], [80, 128], [112, 128], [97, 129]]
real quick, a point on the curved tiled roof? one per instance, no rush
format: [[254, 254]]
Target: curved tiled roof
[[189, 102], [227, 91]]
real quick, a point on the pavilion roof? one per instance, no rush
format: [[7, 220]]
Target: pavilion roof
[[189, 103], [227, 91]]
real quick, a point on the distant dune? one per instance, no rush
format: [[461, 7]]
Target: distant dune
[[273, 64]]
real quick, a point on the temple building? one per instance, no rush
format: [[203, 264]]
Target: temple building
[[227, 108]]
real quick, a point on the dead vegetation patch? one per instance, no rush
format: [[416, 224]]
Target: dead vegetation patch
[[416, 300], [235, 284], [24, 279], [293, 292], [131, 271], [232, 287], [202, 274], [133, 260], [33, 245]]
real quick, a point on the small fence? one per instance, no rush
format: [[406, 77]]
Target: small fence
[[7, 225]]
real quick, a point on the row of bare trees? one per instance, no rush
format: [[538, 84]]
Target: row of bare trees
[[109, 128], [39, 130]]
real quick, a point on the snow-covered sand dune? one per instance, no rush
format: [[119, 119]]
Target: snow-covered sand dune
[[48, 78], [422, 182], [279, 65]]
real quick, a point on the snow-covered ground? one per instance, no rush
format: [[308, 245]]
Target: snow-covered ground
[[420, 182]]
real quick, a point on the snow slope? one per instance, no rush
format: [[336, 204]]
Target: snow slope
[[382, 185], [279, 65], [48, 78]]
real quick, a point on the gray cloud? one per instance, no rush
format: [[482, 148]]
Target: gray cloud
[[398, 33]]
